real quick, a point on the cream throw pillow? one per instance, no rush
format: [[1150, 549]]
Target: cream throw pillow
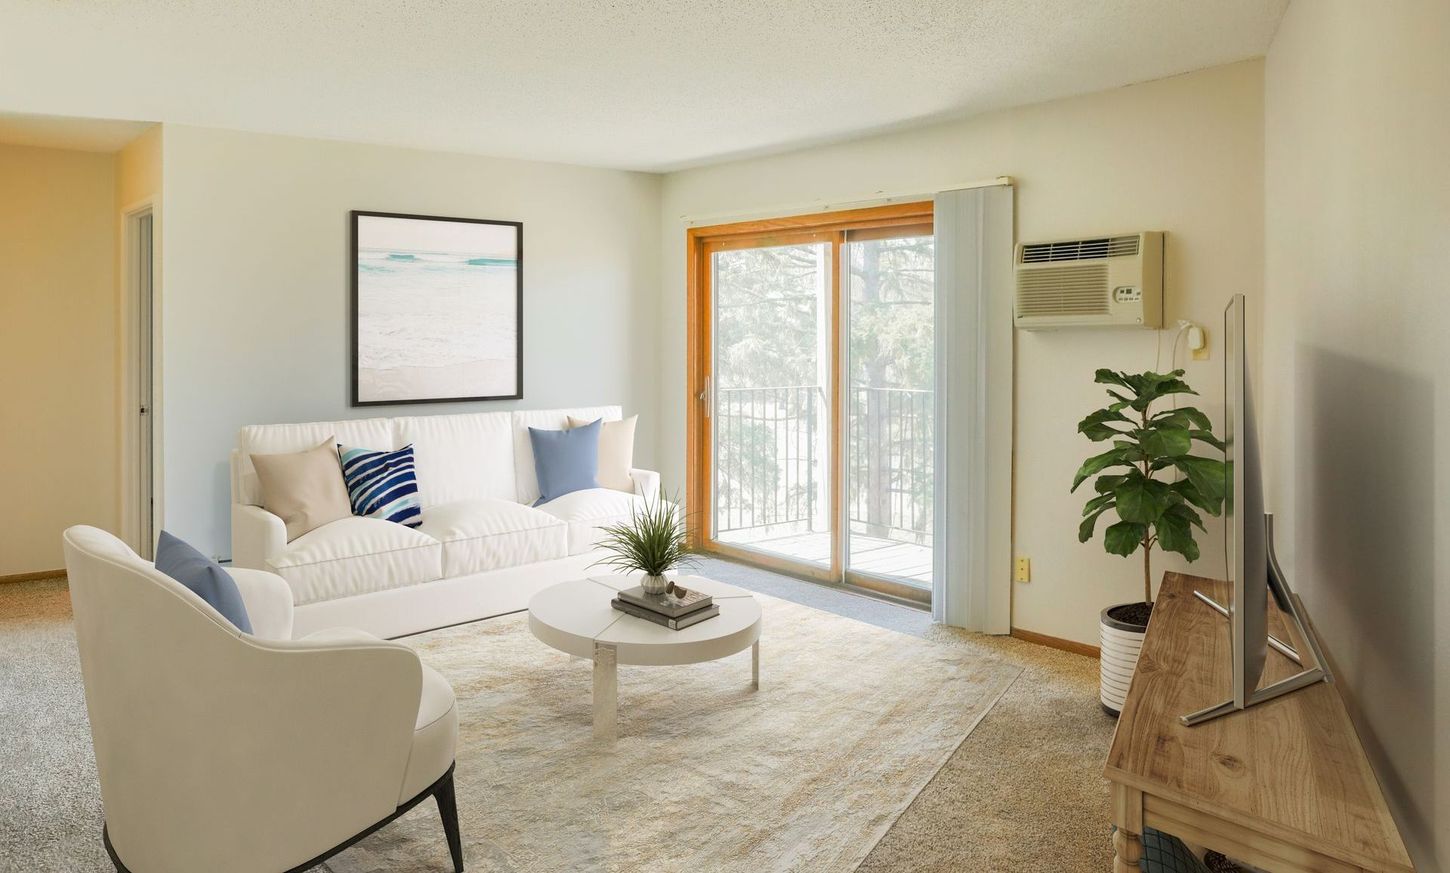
[[616, 451], [304, 489]]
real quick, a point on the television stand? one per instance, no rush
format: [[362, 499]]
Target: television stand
[[1284, 786]]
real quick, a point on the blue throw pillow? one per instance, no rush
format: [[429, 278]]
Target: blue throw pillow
[[204, 577], [565, 460], [382, 484]]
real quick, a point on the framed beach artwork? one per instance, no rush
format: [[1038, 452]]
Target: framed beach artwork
[[437, 309]]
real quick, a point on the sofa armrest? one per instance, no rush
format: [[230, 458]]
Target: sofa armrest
[[646, 483], [256, 536], [268, 599]]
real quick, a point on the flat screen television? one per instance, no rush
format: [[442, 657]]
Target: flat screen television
[[1253, 571]]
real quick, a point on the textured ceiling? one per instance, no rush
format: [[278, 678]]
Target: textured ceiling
[[640, 84]]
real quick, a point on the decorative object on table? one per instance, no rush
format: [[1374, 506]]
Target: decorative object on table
[[652, 543], [1151, 511], [382, 484], [565, 461], [648, 614], [437, 309], [616, 451]]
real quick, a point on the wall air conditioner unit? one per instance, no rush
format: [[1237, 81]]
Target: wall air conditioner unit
[[1112, 281]]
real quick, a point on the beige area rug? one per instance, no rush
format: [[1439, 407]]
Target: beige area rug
[[850, 723]]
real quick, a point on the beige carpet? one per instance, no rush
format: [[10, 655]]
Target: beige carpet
[[1023, 792], [805, 774]]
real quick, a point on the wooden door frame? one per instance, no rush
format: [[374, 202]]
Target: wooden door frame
[[700, 243]]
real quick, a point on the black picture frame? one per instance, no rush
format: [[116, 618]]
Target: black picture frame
[[354, 313]]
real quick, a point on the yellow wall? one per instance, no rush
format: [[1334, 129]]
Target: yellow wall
[[1184, 155], [58, 456], [1358, 372]]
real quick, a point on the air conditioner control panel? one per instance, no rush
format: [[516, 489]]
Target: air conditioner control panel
[[1127, 294]]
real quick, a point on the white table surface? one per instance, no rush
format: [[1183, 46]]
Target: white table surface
[[575, 617]]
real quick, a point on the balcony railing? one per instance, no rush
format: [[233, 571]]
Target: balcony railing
[[769, 443]]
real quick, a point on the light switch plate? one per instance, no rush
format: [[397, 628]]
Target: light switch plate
[[1024, 570]]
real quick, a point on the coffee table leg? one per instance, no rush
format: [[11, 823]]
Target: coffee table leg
[[755, 666], [606, 691]]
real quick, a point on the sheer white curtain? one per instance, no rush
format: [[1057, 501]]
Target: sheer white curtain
[[972, 561]]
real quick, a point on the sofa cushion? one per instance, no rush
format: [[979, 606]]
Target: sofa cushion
[[257, 439], [526, 480], [382, 484], [586, 511], [203, 577], [304, 489], [616, 452], [565, 460], [357, 556], [489, 534], [461, 457]]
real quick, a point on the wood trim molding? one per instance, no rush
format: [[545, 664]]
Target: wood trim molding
[[700, 244], [33, 576], [1076, 648]]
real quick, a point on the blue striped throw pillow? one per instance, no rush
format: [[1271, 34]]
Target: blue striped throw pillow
[[382, 484]]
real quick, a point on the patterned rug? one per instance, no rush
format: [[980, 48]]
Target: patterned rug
[[805, 774]]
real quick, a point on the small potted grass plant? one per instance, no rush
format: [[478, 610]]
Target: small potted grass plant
[[1156, 486], [652, 543]]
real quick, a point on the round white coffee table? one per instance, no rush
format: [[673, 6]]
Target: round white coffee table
[[576, 618]]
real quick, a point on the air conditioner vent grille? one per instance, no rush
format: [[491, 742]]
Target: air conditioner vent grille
[[1063, 291], [1081, 249]]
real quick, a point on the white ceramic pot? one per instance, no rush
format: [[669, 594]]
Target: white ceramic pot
[[654, 584], [1121, 642]]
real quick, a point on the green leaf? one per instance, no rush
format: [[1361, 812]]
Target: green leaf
[[1185, 489], [1208, 477], [1110, 377], [1104, 484], [1096, 426], [1166, 441], [1098, 503], [1182, 510], [1098, 432], [1085, 528], [1174, 535], [1141, 499], [1207, 437], [1185, 416], [1111, 458], [1124, 537]]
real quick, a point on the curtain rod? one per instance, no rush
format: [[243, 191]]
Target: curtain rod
[[876, 199]]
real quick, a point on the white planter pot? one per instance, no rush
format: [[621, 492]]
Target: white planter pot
[[1121, 643]]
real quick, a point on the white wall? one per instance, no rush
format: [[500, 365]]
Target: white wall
[[1183, 155], [58, 455], [1358, 377], [255, 306]]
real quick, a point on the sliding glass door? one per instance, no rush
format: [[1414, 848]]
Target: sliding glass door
[[811, 366], [771, 411], [889, 415]]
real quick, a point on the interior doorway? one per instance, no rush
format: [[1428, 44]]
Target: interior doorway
[[139, 394]]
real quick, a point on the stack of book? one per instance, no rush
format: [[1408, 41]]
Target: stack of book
[[669, 610]]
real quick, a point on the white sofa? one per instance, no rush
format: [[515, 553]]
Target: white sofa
[[483, 549]]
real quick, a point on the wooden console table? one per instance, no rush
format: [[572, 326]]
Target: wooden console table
[[1284, 786]]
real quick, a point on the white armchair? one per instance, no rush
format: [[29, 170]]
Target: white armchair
[[224, 751]]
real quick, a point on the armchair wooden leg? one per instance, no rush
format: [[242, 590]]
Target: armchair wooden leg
[[448, 810]]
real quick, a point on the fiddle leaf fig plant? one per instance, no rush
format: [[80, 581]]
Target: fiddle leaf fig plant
[[1150, 479]]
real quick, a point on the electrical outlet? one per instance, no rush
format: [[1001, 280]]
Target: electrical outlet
[[1024, 570], [1201, 354]]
